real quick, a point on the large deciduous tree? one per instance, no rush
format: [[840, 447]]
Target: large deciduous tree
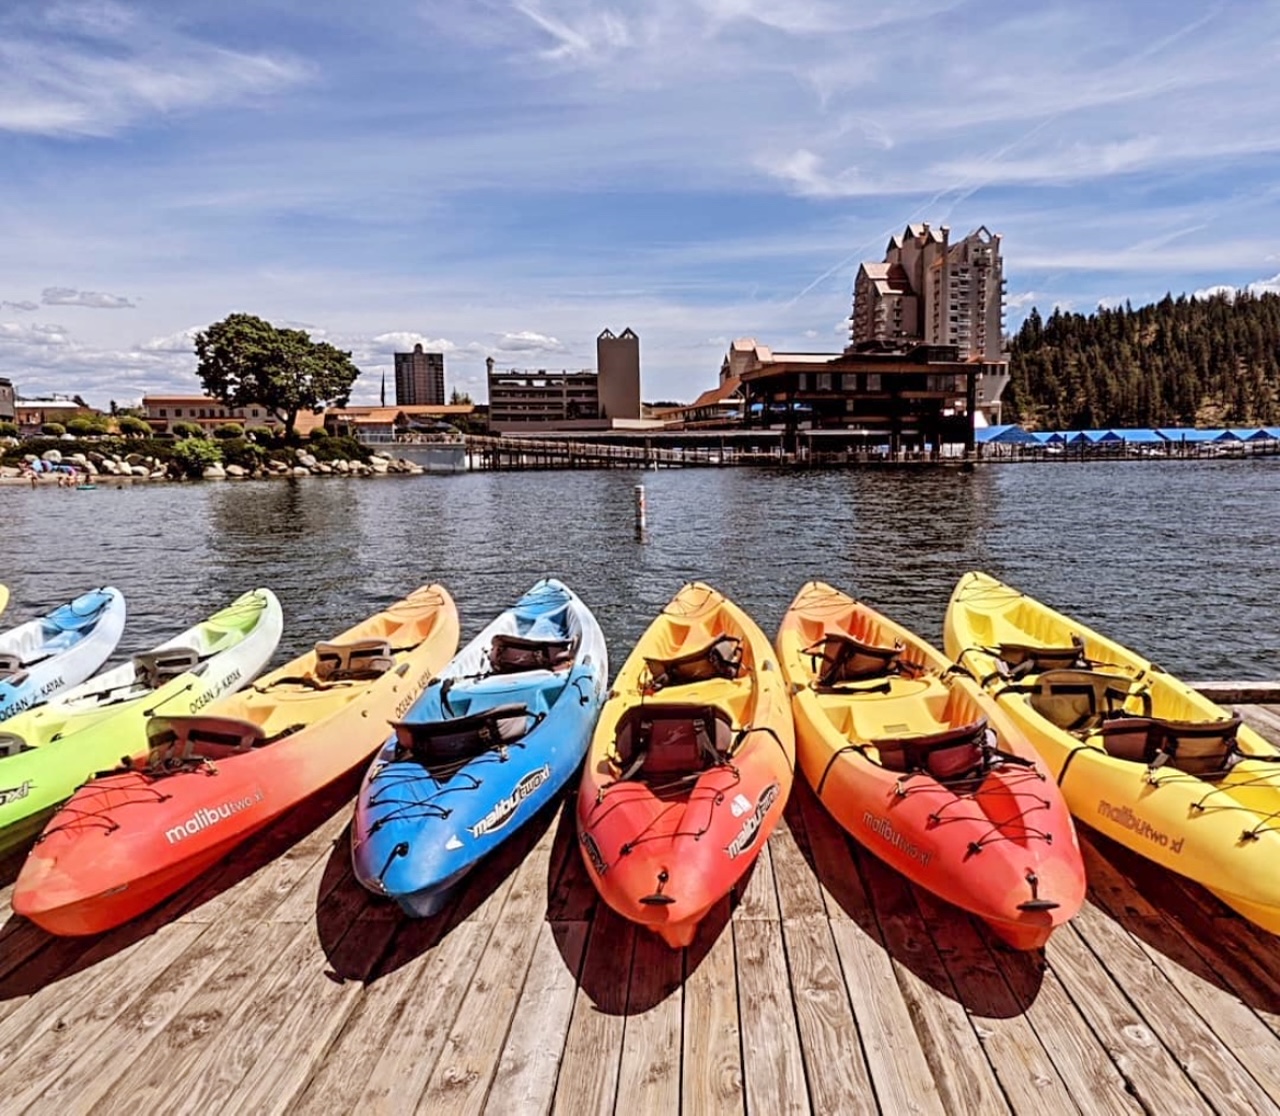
[[245, 360]]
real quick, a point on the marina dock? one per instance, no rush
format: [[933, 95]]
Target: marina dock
[[829, 985]]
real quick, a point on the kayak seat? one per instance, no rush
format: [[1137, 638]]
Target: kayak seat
[[1196, 747], [722, 658], [951, 754], [11, 744], [360, 659], [841, 658], [661, 743], [457, 739], [1021, 659], [1080, 700], [176, 741], [12, 670], [154, 668], [510, 654]]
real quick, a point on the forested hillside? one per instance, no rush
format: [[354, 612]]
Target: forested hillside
[[1182, 361]]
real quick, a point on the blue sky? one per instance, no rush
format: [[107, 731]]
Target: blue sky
[[509, 178]]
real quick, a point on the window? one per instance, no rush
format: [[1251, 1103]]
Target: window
[[162, 413], [873, 381], [824, 381]]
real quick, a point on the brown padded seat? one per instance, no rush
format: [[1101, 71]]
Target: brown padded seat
[[184, 738], [1031, 658], [510, 654], [461, 738], [845, 659], [357, 659], [948, 754], [154, 668], [722, 658], [1077, 700], [1196, 747], [672, 741]]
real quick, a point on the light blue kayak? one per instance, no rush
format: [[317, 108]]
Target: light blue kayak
[[45, 657], [490, 742]]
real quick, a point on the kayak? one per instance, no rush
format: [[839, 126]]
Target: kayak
[[45, 753], [490, 742], [43, 657], [690, 765], [924, 769], [129, 839], [4, 597], [1140, 755]]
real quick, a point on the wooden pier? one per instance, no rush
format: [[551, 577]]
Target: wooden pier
[[829, 985]]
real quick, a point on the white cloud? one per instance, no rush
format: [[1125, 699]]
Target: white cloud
[[90, 69], [67, 296], [1018, 301], [527, 341], [400, 341], [184, 341], [25, 304]]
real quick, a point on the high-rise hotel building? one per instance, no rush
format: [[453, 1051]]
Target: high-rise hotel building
[[419, 379]]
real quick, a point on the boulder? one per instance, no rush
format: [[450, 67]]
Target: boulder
[[79, 459], [324, 469], [139, 471], [342, 466], [91, 468], [52, 455], [133, 459], [214, 472], [277, 466], [10, 471], [237, 471], [379, 464], [301, 471], [160, 474]]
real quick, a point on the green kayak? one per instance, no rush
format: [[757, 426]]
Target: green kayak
[[47, 752]]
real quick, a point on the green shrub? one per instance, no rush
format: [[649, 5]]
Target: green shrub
[[85, 427], [241, 451], [229, 430], [319, 434], [188, 430], [131, 424], [8, 429], [53, 429], [261, 434], [339, 449], [194, 455]]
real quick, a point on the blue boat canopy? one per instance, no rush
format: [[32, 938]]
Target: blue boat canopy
[[1189, 434], [1008, 434]]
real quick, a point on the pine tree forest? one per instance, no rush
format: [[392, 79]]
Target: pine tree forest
[[1180, 362]]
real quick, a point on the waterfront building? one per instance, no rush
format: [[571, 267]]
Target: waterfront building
[[419, 378], [930, 291], [8, 412], [891, 399], [602, 398], [162, 411]]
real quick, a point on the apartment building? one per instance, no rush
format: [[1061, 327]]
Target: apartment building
[[8, 399], [162, 411], [419, 379]]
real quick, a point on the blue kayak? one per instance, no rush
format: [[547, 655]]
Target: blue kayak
[[45, 657], [490, 742]]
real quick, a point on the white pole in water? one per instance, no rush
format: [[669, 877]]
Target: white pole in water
[[642, 522]]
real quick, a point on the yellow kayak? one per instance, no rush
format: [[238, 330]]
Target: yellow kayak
[[4, 597], [1140, 756]]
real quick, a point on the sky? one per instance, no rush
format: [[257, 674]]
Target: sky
[[507, 178]]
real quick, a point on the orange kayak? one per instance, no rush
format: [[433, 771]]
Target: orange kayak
[[131, 838], [924, 769], [690, 765]]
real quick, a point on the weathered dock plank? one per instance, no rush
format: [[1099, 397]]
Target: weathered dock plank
[[828, 984]]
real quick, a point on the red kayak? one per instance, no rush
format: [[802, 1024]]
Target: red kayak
[[130, 839], [925, 770], [690, 766]]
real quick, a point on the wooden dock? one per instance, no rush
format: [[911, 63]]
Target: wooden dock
[[830, 985]]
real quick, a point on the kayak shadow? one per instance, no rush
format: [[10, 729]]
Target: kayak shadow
[[624, 969], [31, 958], [1183, 922], [343, 905], [946, 948]]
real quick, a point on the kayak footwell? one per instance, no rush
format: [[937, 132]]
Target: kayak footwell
[[825, 983]]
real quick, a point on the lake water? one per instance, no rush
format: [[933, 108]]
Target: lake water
[[1179, 560]]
